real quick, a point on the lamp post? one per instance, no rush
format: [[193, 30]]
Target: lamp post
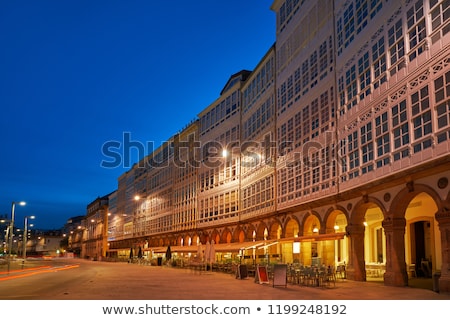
[[25, 236], [11, 231], [5, 237], [136, 216]]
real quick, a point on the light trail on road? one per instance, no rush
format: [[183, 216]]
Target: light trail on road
[[22, 270], [34, 271]]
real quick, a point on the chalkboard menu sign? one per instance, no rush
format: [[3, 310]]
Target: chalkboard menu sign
[[280, 275], [241, 272], [261, 275]]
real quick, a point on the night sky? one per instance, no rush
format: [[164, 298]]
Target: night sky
[[75, 75]]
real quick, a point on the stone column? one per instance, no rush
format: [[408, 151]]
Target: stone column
[[443, 218], [356, 269], [396, 273]]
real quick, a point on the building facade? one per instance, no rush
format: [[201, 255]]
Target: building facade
[[334, 150], [93, 231]]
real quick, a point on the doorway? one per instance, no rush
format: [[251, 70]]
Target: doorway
[[421, 248]]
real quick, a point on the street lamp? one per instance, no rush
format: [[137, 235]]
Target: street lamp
[[11, 230], [25, 236], [136, 218], [5, 236]]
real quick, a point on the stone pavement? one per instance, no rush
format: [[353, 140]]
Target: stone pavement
[[180, 284], [123, 281]]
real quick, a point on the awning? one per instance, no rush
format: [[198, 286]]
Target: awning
[[315, 237], [237, 246], [117, 250], [219, 247], [184, 249], [156, 249], [173, 249]]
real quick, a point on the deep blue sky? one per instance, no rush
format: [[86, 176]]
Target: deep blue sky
[[77, 74]]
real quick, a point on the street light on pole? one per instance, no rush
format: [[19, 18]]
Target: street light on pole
[[5, 236], [11, 231], [25, 236]]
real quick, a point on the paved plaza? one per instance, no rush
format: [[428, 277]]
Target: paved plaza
[[121, 281]]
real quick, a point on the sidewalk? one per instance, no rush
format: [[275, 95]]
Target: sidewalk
[[219, 286]]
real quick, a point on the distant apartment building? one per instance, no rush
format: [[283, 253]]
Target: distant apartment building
[[46, 243], [334, 150], [73, 235], [93, 231]]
